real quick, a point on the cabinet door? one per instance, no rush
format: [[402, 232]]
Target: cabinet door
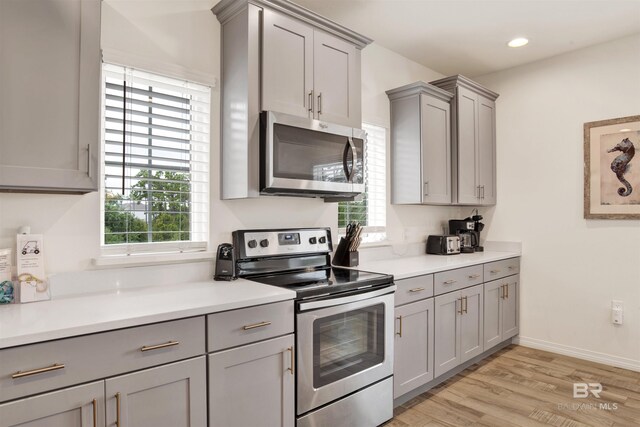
[[69, 407], [287, 65], [467, 130], [413, 357], [510, 323], [471, 329], [170, 395], [336, 80], [493, 293], [253, 385], [436, 150], [49, 95], [487, 150], [447, 338]]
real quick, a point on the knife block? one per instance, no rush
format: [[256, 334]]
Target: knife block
[[343, 257]]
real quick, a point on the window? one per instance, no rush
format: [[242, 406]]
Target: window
[[371, 210], [155, 193]]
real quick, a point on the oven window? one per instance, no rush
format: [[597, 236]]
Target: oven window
[[347, 343]]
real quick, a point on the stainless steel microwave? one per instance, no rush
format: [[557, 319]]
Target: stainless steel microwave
[[308, 157]]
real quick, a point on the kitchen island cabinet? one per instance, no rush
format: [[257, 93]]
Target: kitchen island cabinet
[[50, 118]]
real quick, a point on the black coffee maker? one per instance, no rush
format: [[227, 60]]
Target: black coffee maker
[[468, 230]]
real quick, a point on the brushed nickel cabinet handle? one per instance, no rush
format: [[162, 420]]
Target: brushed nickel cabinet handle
[[320, 103], [118, 409], [310, 100], [399, 333], [501, 291], [449, 282], [511, 267], [426, 188], [94, 404], [495, 271], [482, 187], [478, 188], [474, 276], [159, 346], [256, 325], [466, 305], [506, 288], [416, 290], [89, 160], [459, 299], [54, 367], [293, 360]]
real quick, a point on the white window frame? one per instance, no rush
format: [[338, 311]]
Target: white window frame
[[148, 253], [374, 234]]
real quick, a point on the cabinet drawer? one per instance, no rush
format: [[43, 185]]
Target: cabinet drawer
[[45, 366], [243, 326], [453, 280], [499, 269], [414, 289]]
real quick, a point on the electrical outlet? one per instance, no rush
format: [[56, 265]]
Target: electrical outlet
[[617, 312]]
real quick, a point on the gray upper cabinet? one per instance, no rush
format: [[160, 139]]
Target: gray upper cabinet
[[279, 56], [287, 65], [50, 96], [413, 358], [473, 141], [420, 145], [253, 385], [309, 73], [81, 406]]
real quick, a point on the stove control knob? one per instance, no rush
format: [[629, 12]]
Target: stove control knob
[[252, 244], [264, 243], [323, 240], [313, 240]]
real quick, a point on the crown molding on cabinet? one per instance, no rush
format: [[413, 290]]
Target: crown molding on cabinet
[[418, 88], [227, 9], [449, 83]]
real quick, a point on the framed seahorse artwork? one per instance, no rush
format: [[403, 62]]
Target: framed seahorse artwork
[[612, 168]]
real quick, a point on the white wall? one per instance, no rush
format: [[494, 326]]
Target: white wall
[[571, 268], [184, 36]]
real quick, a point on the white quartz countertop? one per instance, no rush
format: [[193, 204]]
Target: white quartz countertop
[[405, 267], [70, 316]]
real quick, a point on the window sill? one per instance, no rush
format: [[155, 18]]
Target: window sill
[[141, 260]]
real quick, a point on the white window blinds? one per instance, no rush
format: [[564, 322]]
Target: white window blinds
[[371, 210], [156, 162]]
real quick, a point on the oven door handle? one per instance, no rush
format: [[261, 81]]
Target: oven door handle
[[312, 305]]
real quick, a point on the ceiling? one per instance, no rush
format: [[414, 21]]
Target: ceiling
[[469, 36]]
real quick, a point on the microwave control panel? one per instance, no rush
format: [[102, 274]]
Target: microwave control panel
[[259, 243]]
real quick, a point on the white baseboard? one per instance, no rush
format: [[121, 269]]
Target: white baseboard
[[593, 356]]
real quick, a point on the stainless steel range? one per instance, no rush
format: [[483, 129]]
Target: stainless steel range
[[344, 325]]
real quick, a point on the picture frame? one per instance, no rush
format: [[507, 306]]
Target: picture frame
[[612, 168]]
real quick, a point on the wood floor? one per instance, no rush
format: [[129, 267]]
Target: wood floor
[[520, 386]]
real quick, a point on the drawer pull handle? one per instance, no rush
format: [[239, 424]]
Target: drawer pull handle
[[159, 346], [118, 409], [293, 361], [474, 276], [256, 325], [449, 282], [495, 271], [511, 267], [54, 367], [94, 404], [416, 289]]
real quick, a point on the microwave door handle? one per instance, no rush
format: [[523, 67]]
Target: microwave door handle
[[349, 147]]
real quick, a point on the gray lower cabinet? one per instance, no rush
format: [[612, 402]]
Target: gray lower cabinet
[[170, 395], [81, 406], [253, 385], [420, 144], [413, 357], [501, 310], [458, 328], [50, 119]]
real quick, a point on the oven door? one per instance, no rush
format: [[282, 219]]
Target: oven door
[[344, 344], [307, 156]]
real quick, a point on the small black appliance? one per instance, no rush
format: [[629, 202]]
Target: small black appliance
[[468, 230], [443, 245], [225, 263]]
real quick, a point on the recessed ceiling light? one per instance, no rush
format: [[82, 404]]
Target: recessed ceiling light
[[625, 130], [518, 42]]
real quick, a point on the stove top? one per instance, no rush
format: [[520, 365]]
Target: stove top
[[324, 281]]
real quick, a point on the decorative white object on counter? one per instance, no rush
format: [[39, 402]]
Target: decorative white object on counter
[[6, 286], [30, 268]]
